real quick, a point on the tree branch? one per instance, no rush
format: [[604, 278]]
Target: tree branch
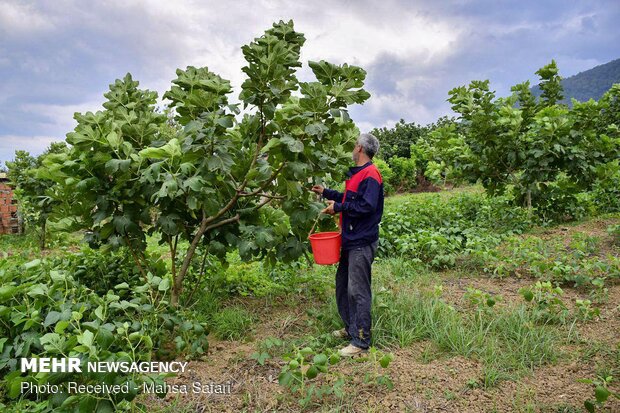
[[222, 222], [204, 227], [265, 184], [262, 194]]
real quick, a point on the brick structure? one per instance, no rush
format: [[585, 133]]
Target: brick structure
[[9, 220]]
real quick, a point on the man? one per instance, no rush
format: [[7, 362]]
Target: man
[[360, 208]]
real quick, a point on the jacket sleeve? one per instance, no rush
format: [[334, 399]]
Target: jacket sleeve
[[366, 201], [332, 195]]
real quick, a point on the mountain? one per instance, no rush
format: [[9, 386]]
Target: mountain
[[592, 83]]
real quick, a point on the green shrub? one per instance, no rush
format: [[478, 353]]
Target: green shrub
[[387, 175], [253, 278], [437, 230], [562, 200], [606, 190], [549, 260], [405, 172], [47, 312], [101, 270]]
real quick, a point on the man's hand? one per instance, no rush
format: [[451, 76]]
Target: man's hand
[[318, 189], [330, 208]]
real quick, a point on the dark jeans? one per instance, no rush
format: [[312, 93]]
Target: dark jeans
[[353, 294]]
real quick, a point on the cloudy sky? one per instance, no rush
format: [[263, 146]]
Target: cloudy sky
[[58, 56]]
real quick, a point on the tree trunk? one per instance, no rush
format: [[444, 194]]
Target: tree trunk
[[42, 239], [177, 286]]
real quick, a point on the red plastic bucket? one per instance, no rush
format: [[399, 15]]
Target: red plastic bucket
[[326, 247]]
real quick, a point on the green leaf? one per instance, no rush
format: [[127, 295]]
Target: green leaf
[[7, 292], [114, 165], [52, 318], [164, 285], [86, 338], [293, 144], [222, 161], [105, 338], [87, 403], [334, 358], [528, 295], [316, 129], [312, 372], [168, 224], [168, 189], [285, 378], [153, 153], [113, 139], [195, 183], [601, 394], [320, 359], [99, 313], [385, 360], [61, 326], [32, 264], [15, 387], [123, 224], [273, 142], [225, 122]]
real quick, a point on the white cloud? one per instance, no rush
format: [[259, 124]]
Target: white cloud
[[22, 18], [60, 117], [33, 144], [344, 37]]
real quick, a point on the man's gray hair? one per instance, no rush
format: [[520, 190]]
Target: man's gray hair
[[369, 143]]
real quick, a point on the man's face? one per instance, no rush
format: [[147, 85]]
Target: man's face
[[356, 152]]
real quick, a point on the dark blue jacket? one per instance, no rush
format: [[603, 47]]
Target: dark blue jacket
[[361, 206]]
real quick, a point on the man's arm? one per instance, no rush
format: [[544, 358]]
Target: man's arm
[[366, 201], [332, 194]]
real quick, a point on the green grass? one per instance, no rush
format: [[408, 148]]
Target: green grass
[[395, 200], [508, 341], [232, 323]]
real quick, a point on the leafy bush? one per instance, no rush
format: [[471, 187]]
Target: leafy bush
[[606, 189], [46, 312], [563, 201], [436, 230], [405, 173], [102, 270], [386, 174], [552, 261]]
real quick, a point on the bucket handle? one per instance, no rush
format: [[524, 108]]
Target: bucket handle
[[316, 221]]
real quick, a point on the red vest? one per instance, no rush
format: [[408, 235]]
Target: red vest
[[351, 184]]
